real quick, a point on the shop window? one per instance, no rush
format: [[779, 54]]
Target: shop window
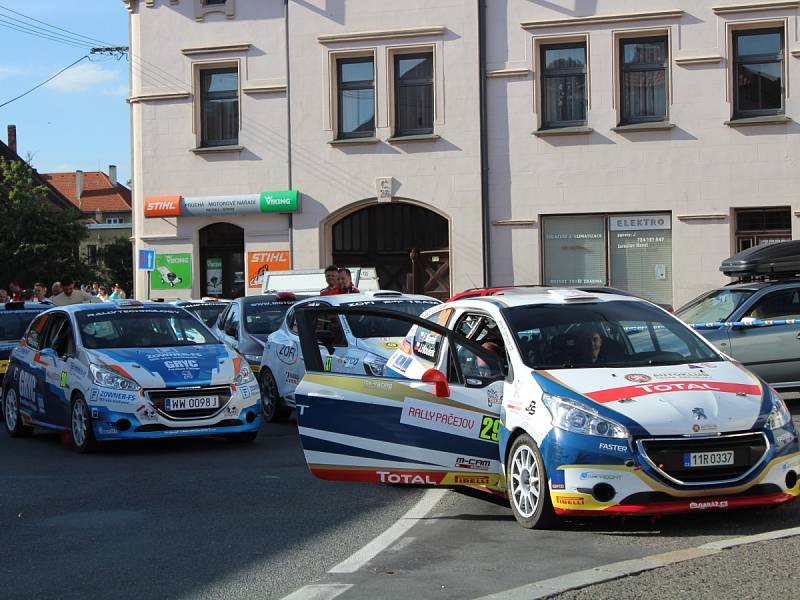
[[631, 252], [413, 88], [643, 79], [758, 72], [756, 226], [219, 100], [356, 97], [564, 96]]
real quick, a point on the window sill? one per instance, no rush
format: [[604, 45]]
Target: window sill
[[581, 130], [765, 120], [216, 149], [348, 141], [422, 137], [649, 126]]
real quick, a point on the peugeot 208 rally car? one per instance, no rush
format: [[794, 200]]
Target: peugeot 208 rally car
[[572, 403], [131, 370], [355, 345]]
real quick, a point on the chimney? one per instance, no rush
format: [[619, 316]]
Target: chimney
[[112, 174], [78, 184], [12, 138]]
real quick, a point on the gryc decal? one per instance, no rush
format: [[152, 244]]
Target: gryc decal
[[633, 391]]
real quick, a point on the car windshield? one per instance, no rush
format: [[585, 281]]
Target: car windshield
[[714, 306], [13, 323], [141, 328], [264, 317], [207, 312], [617, 333], [367, 326]]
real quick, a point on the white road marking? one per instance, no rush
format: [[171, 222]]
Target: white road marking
[[361, 557], [327, 591], [579, 579]]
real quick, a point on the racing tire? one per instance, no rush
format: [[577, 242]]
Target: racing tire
[[81, 432], [528, 490], [244, 437], [11, 414], [273, 409]]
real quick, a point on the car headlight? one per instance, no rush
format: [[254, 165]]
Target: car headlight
[[574, 417], [375, 366], [253, 358], [779, 416], [245, 375], [111, 379]]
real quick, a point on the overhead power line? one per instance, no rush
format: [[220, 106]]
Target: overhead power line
[[90, 40], [45, 81]]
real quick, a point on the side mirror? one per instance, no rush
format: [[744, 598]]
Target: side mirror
[[439, 381], [325, 338]]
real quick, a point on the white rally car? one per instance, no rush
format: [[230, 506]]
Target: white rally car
[[356, 345], [571, 403]]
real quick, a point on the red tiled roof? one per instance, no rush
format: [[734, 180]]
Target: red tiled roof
[[98, 193]]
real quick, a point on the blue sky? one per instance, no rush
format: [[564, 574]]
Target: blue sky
[[80, 120]]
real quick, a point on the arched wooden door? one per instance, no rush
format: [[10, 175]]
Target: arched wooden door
[[408, 245], [222, 261]]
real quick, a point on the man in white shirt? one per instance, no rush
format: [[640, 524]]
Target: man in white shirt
[[69, 295]]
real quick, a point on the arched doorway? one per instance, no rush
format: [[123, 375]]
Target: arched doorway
[[222, 261], [409, 246]]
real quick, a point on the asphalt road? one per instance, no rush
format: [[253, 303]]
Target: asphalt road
[[208, 519]]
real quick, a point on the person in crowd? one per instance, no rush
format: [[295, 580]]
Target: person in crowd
[[69, 295], [55, 289], [332, 279], [40, 292], [117, 293], [26, 295], [102, 294], [3, 296], [345, 279], [14, 290], [95, 289]]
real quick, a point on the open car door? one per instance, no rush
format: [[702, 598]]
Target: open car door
[[432, 419]]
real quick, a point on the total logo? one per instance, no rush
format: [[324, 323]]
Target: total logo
[[387, 477]]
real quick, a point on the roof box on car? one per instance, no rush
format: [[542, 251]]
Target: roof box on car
[[777, 260]]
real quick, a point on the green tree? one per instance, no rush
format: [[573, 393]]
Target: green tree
[[118, 263], [38, 242]]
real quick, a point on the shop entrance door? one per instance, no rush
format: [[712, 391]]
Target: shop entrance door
[[386, 236], [222, 261]]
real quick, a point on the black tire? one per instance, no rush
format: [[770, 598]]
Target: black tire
[[13, 419], [528, 489], [273, 410], [81, 432], [244, 437]]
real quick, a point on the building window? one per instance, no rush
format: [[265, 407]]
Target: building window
[[643, 79], [758, 72], [632, 252], [91, 254], [219, 93], [113, 220], [756, 226], [564, 98], [213, 2], [413, 88], [356, 97]]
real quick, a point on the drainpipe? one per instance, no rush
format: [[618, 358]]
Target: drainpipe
[[485, 216], [288, 130]]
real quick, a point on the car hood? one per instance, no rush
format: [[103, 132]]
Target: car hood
[[206, 364], [672, 400], [380, 346]]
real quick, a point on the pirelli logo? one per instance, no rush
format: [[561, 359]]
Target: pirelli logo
[[569, 500], [472, 479]]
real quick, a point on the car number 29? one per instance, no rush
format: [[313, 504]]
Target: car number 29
[[490, 429]]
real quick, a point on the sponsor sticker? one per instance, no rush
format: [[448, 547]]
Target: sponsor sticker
[[377, 385], [401, 362], [412, 478], [604, 476], [570, 500], [638, 377], [474, 464], [179, 365], [472, 479], [494, 397], [708, 504], [697, 428], [447, 419], [667, 387], [613, 447], [62, 382], [288, 354], [292, 378]]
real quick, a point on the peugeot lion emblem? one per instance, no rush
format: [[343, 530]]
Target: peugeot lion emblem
[[699, 413]]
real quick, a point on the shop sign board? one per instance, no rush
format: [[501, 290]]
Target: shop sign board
[[638, 222], [281, 201], [213, 276], [261, 262], [172, 271]]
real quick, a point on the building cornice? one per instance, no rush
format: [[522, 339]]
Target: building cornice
[[514, 223], [698, 60], [702, 217], [599, 19], [159, 96], [217, 48], [257, 87], [382, 34], [732, 9], [522, 72]]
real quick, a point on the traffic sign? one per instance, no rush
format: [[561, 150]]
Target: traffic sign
[[147, 260]]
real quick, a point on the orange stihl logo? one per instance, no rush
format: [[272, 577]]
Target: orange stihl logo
[[162, 206]]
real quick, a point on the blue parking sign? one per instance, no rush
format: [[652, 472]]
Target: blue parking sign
[[147, 260]]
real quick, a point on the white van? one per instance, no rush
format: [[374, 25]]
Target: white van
[[311, 281]]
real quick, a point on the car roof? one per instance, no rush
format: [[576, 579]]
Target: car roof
[[278, 297], [101, 306], [513, 297], [370, 296], [19, 305]]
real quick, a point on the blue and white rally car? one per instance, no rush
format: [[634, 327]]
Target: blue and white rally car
[[355, 345], [571, 403], [127, 371]]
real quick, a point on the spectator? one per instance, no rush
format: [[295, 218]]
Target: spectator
[[69, 295], [40, 292], [95, 289], [332, 279], [102, 294], [14, 290], [26, 295], [3, 296], [56, 289], [117, 293], [345, 279]]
